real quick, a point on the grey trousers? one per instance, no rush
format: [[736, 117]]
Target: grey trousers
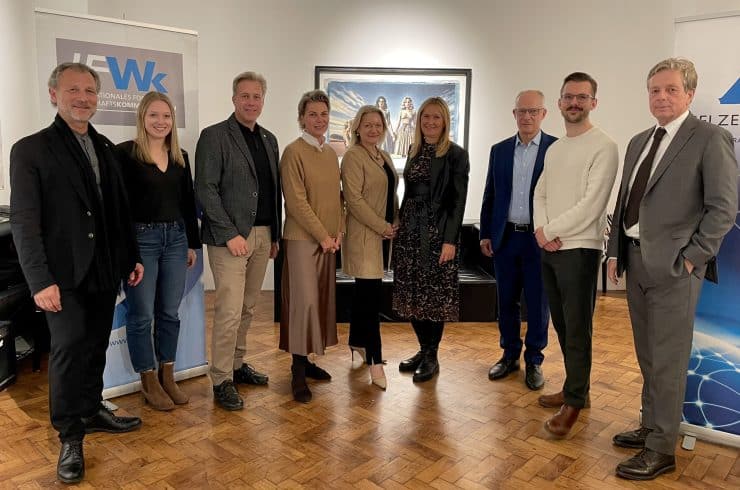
[[662, 318]]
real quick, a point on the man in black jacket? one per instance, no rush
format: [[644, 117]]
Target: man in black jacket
[[73, 232]]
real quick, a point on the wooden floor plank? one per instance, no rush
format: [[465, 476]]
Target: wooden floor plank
[[458, 431]]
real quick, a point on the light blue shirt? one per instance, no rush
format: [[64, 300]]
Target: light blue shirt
[[521, 182]]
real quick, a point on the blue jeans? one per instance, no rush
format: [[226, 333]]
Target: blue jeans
[[164, 253]]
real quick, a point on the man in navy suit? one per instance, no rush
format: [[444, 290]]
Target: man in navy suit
[[506, 234]]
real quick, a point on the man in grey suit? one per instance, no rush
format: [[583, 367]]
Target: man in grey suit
[[677, 200], [238, 186]]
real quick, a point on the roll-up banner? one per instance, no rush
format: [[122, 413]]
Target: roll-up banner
[[712, 405], [132, 59]]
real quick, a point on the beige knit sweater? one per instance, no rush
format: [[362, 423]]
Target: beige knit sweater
[[571, 195], [310, 179]]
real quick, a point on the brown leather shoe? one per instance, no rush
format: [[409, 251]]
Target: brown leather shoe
[[557, 400], [560, 424]]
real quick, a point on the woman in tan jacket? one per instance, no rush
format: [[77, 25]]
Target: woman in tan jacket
[[309, 171], [369, 182]]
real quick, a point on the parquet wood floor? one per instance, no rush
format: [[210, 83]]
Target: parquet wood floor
[[458, 431]]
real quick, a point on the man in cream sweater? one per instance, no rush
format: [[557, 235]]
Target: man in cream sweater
[[569, 220]]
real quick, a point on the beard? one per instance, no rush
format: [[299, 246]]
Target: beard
[[574, 118]]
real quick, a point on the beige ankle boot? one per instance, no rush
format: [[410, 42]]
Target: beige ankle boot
[[153, 392], [167, 378]]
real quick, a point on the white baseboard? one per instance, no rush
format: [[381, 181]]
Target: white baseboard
[[710, 435]]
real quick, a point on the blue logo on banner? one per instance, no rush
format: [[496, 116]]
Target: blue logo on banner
[[131, 70], [733, 95]]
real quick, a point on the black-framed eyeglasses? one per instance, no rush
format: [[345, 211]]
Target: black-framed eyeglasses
[[579, 97], [524, 112]]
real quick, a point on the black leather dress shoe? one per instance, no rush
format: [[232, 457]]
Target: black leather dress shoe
[[503, 368], [71, 465], [246, 374], [105, 421], [315, 372], [409, 365], [646, 465], [534, 378], [227, 397], [632, 438]]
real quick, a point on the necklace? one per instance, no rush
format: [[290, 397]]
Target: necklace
[[377, 156]]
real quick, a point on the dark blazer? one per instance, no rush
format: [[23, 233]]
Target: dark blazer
[[449, 190], [689, 203], [51, 212], [497, 193], [226, 182]]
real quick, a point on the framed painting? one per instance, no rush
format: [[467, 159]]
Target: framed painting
[[398, 92]]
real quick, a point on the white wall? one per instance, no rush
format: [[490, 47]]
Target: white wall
[[508, 45], [19, 108]]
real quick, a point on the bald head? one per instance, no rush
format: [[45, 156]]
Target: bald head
[[529, 111]]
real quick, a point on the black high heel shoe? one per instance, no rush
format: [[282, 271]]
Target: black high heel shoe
[[360, 350]]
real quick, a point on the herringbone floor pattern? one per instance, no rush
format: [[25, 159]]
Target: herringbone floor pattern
[[458, 431]]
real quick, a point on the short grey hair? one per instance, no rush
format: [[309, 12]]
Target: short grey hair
[[533, 90], [683, 66], [78, 67], [251, 76], [312, 96]]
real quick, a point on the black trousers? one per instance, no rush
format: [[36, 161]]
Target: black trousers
[[79, 339], [364, 326], [570, 278]]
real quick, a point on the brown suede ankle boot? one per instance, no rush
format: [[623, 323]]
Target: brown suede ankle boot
[[167, 378], [153, 393]]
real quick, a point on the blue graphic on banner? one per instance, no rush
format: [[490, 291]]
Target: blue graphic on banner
[[713, 382], [733, 95], [190, 344]]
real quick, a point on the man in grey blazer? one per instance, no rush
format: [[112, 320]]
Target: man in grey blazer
[[677, 200], [238, 186]]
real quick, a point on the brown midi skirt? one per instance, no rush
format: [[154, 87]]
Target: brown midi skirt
[[308, 318]]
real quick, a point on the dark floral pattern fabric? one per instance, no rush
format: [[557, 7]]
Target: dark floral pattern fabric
[[422, 288]]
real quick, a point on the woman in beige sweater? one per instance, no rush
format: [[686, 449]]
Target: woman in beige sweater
[[309, 170], [369, 182]]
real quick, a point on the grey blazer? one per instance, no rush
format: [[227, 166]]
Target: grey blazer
[[689, 204], [226, 182]]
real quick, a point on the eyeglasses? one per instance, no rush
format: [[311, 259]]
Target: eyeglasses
[[524, 112], [581, 98]]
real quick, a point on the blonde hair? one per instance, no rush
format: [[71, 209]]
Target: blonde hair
[[444, 139], [171, 143], [362, 112], [683, 66]]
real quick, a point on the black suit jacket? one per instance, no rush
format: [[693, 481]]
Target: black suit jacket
[[52, 214]]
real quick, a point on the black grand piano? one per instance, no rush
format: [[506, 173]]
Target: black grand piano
[[18, 316]]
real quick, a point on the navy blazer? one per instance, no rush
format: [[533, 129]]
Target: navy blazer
[[497, 193]]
